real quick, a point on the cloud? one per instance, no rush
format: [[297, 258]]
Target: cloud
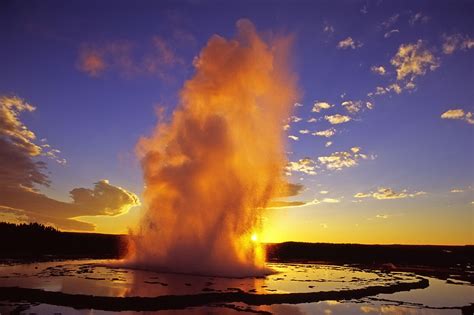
[[337, 119], [458, 114], [391, 21], [19, 148], [331, 200], [352, 106], [328, 29], [324, 192], [291, 190], [328, 144], [103, 199], [390, 33], [413, 60], [304, 131], [349, 43], [378, 70], [295, 119], [275, 204], [383, 193], [121, 56], [418, 18], [457, 190], [318, 106], [325, 133], [21, 173], [91, 62], [305, 165], [312, 119], [456, 42], [292, 137], [343, 159]]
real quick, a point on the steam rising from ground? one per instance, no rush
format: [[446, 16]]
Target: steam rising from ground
[[211, 170]]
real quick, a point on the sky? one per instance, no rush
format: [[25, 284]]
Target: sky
[[379, 144]]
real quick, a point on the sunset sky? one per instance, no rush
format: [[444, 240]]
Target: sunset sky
[[380, 142]]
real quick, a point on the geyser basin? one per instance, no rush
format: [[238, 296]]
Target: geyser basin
[[62, 286]]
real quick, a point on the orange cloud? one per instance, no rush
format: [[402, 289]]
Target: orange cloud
[[91, 62]]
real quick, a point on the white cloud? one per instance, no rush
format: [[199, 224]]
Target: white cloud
[[337, 119], [383, 193], [390, 33], [352, 106], [306, 166], [378, 70], [331, 200], [295, 119], [328, 144], [292, 137], [349, 43], [304, 131], [325, 133], [343, 159], [318, 106], [312, 119]]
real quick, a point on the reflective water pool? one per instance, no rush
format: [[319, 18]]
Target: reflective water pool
[[316, 285]]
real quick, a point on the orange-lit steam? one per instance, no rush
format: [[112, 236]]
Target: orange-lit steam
[[211, 170]]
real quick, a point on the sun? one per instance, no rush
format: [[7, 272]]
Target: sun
[[254, 237]]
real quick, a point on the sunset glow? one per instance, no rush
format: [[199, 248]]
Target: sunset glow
[[344, 122]]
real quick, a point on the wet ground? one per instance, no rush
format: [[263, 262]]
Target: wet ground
[[100, 287]]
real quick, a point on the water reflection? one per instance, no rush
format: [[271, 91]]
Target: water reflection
[[102, 278]]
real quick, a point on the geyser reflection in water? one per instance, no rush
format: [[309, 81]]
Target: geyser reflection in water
[[211, 170]]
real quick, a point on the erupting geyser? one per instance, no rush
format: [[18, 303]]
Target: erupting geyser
[[214, 167]]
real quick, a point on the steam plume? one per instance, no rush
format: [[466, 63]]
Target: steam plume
[[211, 170]]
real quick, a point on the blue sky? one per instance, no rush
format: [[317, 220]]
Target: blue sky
[[95, 110]]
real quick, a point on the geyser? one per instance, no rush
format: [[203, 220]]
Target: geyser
[[212, 169]]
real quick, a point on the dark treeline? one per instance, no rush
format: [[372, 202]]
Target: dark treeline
[[423, 255], [37, 242]]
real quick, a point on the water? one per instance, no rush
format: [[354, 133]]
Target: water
[[104, 278]]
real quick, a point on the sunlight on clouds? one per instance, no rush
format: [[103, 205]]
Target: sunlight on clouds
[[318, 106], [378, 70], [456, 42], [306, 166], [337, 119], [352, 106], [343, 159], [325, 133], [388, 193], [458, 114], [413, 60], [91, 62], [349, 43]]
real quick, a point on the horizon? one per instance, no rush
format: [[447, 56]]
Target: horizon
[[378, 142]]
